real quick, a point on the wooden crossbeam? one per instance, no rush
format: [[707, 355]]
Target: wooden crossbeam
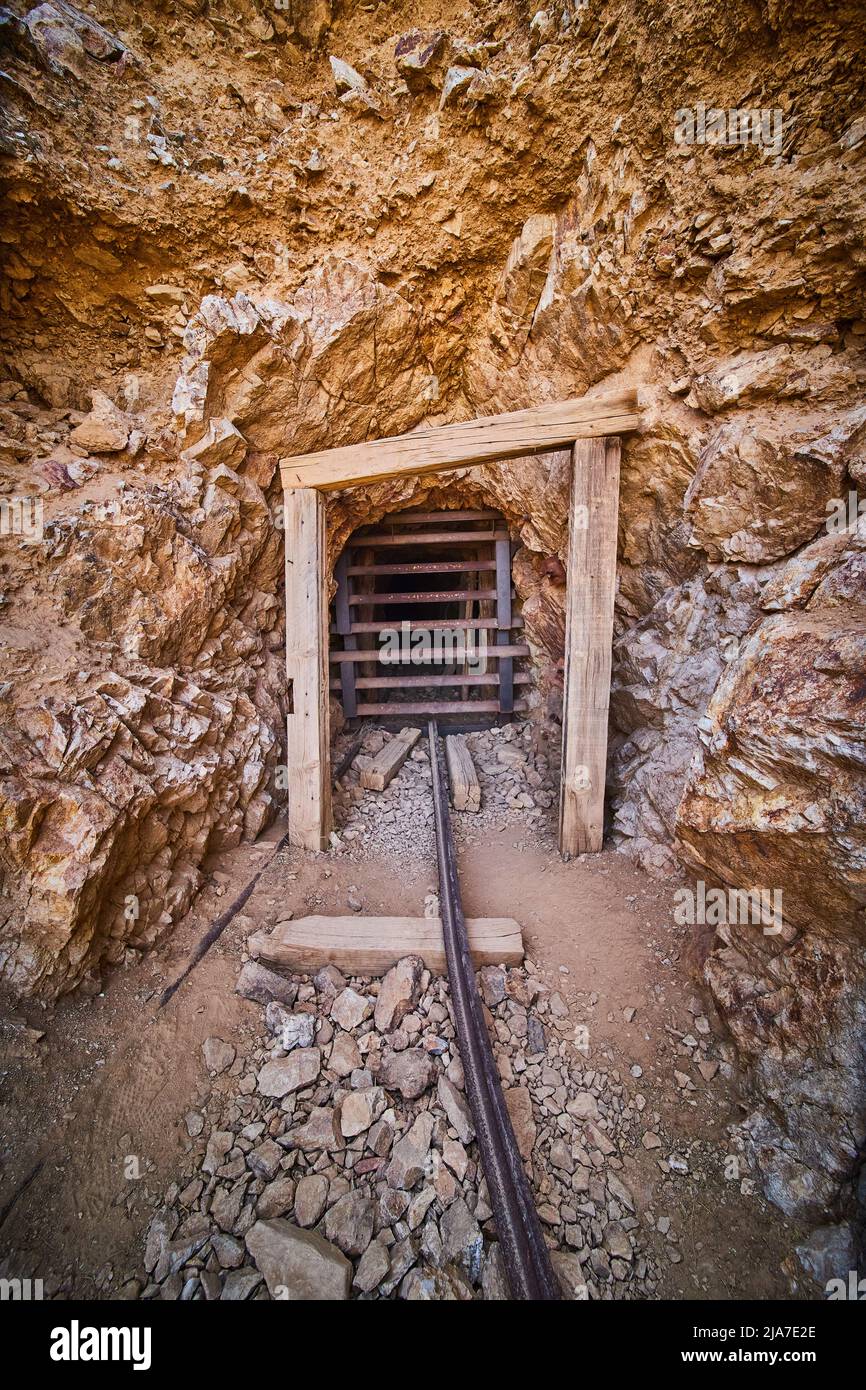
[[439, 448]]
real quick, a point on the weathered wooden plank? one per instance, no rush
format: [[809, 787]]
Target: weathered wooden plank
[[425, 625], [399, 708], [418, 653], [381, 538], [588, 640], [400, 682], [425, 567], [371, 945], [307, 725], [488, 439], [465, 787], [389, 760], [422, 596]]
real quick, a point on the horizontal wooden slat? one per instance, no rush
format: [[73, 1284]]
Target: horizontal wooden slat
[[371, 945], [430, 624], [398, 708], [382, 538], [398, 682], [438, 448], [421, 596], [490, 653], [427, 567]]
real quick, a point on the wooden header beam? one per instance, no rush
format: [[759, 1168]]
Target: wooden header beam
[[485, 440]]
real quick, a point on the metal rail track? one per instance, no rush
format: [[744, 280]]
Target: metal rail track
[[527, 1260]]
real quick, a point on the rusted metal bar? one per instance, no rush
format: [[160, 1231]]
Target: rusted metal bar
[[527, 1260]]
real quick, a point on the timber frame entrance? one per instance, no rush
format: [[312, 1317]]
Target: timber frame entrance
[[591, 427]]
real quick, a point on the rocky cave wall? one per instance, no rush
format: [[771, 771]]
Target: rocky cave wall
[[232, 232]]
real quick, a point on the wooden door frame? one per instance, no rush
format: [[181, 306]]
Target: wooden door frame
[[591, 425]]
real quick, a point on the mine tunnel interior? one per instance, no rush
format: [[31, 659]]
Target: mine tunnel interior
[[429, 595]]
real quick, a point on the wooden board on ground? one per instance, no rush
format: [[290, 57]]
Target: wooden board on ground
[[371, 945], [387, 763], [465, 787]]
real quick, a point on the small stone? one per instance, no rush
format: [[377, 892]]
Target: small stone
[[287, 1074], [409, 1155], [344, 1057], [360, 1109], [218, 1055], [311, 1195], [398, 993], [349, 1223], [454, 1104], [409, 1073], [373, 1267], [261, 985], [349, 1009]]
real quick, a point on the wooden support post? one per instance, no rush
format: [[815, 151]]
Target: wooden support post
[[591, 580], [308, 732]]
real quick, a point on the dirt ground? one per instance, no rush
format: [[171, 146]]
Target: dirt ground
[[92, 1115]]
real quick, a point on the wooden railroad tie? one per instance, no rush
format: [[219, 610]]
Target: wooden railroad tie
[[465, 787], [371, 945]]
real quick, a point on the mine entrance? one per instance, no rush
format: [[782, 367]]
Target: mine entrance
[[424, 620]]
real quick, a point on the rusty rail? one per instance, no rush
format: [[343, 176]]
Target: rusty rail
[[527, 1261]]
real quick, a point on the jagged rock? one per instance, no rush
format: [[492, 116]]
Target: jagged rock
[[417, 55], [462, 1241], [344, 1056], [261, 985], [221, 444], [277, 1198], [409, 1155], [350, 1008], [409, 1073], [759, 491], [349, 1223], [373, 1267], [398, 993], [287, 1074], [298, 1265], [105, 430], [360, 1109], [456, 1107], [218, 1055], [311, 1195], [321, 1130], [427, 1284], [518, 1102]]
